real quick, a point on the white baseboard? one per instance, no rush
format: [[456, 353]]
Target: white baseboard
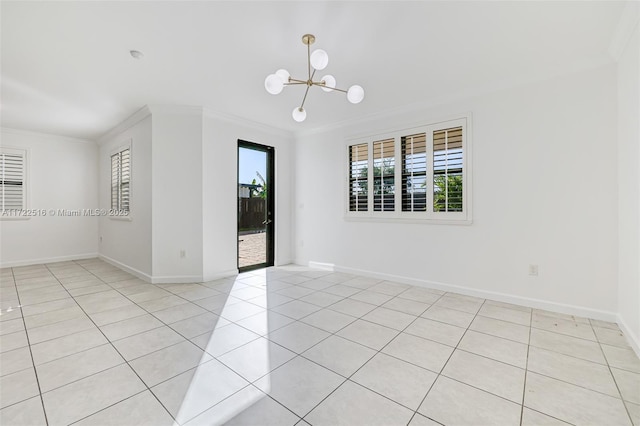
[[218, 275], [323, 266], [126, 268], [27, 262], [168, 279], [282, 262], [179, 279], [484, 294], [634, 341]]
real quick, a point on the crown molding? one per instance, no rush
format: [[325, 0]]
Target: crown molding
[[452, 98], [45, 135], [127, 123], [175, 109], [240, 121], [149, 110], [627, 24]]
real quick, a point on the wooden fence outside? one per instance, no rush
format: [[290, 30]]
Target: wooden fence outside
[[252, 212]]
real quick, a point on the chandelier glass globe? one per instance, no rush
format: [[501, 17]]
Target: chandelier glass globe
[[329, 82], [355, 94], [284, 75], [299, 114], [274, 84], [319, 59]]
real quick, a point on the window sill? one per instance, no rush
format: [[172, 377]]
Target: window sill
[[127, 218], [408, 220]]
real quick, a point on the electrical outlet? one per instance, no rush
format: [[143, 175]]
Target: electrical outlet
[[533, 270], [183, 253]]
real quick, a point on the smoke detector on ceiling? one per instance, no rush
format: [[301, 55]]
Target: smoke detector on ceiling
[[136, 54]]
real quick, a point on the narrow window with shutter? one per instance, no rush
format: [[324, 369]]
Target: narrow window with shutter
[[12, 174], [358, 177], [384, 175], [447, 170], [121, 180], [414, 173]]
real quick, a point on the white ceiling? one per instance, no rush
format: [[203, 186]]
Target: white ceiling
[[66, 67]]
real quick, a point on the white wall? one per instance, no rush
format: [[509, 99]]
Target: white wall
[[62, 174], [177, 193], [128, 242], [629, 188], [184, 193], [544, 192], [220, 178]]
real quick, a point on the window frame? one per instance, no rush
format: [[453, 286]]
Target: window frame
[[351, 180], [25, 183], [382, 176], [113, 212], [429, 216]]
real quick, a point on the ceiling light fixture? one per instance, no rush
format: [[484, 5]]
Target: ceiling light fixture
[[318, 60]]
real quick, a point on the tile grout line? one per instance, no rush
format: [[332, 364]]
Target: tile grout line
[[88, 375], [376, 306], [33, 363], [168, 325], [252, 383], [367, 361], [526, 369], [107, 407], [327, 337], [164, 324], [574, 384], [447, 362], [112, 345], [235, 393], [624, 402], [417, 317], [158, 350]]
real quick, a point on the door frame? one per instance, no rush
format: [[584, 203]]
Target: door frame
[[270, 228]]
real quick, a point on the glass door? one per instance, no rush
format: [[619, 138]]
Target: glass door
[[255, 206]]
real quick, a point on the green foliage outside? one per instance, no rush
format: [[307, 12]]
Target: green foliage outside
[[260, 191], [385, 183], [453, 185]]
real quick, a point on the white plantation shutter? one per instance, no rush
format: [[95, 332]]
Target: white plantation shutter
[[12, 174], [125, 179], [358, 166], [121, 180], [414, 173], [429, 164], [447, 170], [384, 175]]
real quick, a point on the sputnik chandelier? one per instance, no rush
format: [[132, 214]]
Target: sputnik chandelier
[[318, 60]]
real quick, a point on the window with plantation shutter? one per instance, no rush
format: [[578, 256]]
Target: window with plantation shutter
[[447, 170], [384, 175], [358, 166], [414, 173], [121, 181], [433, 172], [12, 179]]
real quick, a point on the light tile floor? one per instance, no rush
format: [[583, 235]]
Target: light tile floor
[[86, 343]]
